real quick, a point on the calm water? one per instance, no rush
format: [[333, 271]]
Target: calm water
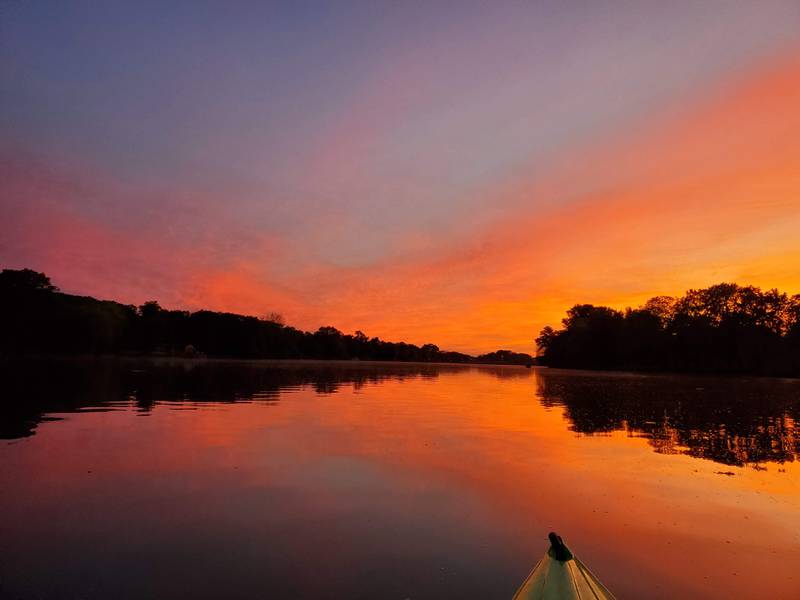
[[253, 480]]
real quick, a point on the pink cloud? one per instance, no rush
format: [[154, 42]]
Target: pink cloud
[[708, 193]]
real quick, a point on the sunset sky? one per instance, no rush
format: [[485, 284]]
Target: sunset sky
[[417, 172]]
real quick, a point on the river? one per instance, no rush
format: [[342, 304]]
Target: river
[[233, 479]]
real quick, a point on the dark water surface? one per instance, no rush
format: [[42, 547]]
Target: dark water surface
[[210, 479]]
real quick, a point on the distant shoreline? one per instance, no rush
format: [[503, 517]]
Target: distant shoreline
[[572, 371], [221, 359], [38, 319]]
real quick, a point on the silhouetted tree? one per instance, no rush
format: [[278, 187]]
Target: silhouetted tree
[[35, 318], [25, 280], [722, 328], [506, 357]]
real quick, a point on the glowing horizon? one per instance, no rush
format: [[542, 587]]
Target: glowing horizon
[[461, 181]]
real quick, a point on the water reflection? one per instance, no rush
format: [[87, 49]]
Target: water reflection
[[211, 479], [734, 421], [35, 389]]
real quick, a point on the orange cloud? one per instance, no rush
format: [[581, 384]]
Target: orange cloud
[[711, 194]]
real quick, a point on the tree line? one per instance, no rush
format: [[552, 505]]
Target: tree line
[[36, 318], [725, 328]]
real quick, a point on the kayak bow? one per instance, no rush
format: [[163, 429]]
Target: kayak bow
[[561, 576]]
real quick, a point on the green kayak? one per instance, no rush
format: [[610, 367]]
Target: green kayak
[[561, 576]]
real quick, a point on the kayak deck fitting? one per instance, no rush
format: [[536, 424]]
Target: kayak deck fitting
[[559, 575]]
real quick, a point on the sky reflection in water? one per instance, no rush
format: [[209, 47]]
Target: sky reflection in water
[[211, 479]]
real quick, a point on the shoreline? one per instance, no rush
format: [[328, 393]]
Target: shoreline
[[222, 359]]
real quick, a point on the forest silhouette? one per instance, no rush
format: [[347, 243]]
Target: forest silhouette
[[725, 328], [38, 319]]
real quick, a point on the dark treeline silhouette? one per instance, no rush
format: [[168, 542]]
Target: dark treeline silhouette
[[37, 319], [725, 328], [734, 421], [505, 357]]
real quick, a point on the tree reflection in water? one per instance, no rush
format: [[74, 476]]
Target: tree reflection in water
[[35, 389], [734, 421]]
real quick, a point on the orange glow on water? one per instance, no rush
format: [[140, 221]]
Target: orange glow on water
[[484, 446]]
